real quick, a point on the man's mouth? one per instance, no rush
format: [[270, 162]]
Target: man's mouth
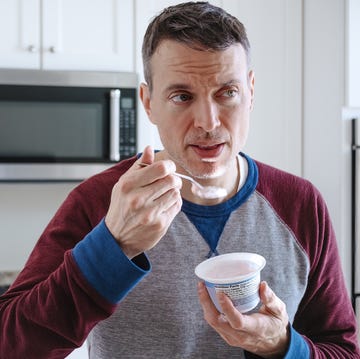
[[208, 151]]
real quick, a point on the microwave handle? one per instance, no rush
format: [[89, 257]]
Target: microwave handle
[[114, 150]]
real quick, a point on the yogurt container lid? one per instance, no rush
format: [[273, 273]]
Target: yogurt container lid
[[224, 269]]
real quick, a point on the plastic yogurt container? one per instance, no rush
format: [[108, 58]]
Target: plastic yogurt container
[[235, 274]]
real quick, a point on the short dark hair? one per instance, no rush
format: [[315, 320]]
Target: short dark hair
[[199, 25]]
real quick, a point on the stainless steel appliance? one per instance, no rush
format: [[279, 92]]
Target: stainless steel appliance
[[65, 125]]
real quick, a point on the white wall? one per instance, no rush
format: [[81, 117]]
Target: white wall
[[353, 60], [25, 210], [324, 149]]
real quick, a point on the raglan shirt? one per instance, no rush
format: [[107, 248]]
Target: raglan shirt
[[277, 215]]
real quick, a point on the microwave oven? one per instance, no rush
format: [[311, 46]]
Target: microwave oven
[[65, 125]]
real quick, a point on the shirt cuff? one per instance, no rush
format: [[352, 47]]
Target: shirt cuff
[[105, 265], [298, 347]]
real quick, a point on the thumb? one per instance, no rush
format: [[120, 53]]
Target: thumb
[[271, 303], [147, 156], [266, 294]]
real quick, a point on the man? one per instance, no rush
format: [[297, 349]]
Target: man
[[89, 276]]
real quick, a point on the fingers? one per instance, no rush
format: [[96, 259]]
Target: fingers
[[143, 204], [219, 322], [159, 182], [262, 333], [233, 316], [206, 302], [157, 174], [147, 184], [211, 314]]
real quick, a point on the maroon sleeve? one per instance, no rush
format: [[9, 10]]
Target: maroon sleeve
[[331, 330], [325, 316], [52, 317], [51, 308]]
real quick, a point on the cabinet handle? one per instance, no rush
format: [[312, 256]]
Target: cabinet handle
[[52, 49], [32, 48]]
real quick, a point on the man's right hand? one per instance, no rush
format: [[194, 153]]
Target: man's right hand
[[143, 204]]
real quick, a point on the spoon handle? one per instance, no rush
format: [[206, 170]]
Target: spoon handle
[[189, 179], [141, 164]]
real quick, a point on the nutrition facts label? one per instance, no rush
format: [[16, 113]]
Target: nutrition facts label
[[239, 290], [241, 293]]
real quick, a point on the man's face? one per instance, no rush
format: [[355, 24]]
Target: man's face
[[200, 103]]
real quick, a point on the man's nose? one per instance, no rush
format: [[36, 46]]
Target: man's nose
[[206, 115]]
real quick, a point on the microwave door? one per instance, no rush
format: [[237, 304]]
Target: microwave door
[[114, 138]]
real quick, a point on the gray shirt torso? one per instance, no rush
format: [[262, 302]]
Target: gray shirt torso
[[162, 317]]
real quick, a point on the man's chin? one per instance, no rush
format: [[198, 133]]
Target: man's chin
[[212, 173]]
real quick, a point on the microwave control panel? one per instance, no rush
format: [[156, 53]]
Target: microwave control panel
[[128, 142]]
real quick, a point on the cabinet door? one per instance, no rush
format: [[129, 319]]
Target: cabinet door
[[353, 58], [274, 29], [20, 34], [88, 35]]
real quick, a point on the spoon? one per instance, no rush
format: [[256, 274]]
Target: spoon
[[206, 192]]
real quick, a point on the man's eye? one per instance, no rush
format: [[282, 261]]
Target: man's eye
[[181, 97], [230, 93]]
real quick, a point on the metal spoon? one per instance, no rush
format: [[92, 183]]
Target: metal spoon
[[206, 192]]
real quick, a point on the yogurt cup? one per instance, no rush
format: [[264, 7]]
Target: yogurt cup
[[235, 274]]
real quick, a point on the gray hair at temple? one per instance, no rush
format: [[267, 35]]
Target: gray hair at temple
[[199, 25]]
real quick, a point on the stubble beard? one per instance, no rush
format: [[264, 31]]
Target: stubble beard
[[210, 171]]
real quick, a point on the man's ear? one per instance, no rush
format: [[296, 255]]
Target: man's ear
[[251, 83], [144, 94]]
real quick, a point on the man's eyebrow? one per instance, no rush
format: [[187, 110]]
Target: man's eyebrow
[[231, 82], [179, 86], [187, 87]]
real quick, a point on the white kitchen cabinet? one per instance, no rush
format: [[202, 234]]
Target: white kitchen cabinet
[[353, 53], [20, 34], [274, 29], [67, 34]]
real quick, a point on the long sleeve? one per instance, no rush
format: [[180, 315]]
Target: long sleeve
[[55, 302], [325, 317]]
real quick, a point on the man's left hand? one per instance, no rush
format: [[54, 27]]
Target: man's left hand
[[265, 333]]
